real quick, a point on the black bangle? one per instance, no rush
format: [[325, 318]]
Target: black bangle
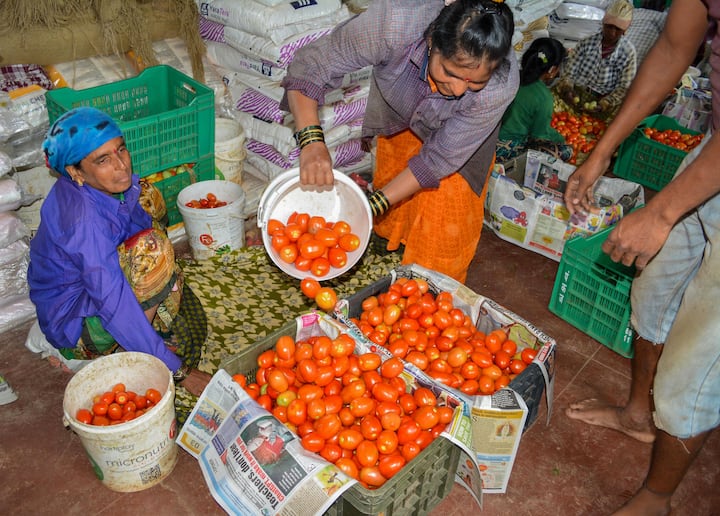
[[311, 132], [379, 204], [182, 373]]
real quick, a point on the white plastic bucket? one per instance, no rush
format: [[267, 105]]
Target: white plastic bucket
[[229, 149], [343, 201], [137, 454], [213, 231]]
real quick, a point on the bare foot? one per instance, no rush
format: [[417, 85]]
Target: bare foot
[[596, 412], [646, 503], [56, 362]]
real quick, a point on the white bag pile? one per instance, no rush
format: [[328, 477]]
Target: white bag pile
[[254, 41], [574, 21], [15, 305]]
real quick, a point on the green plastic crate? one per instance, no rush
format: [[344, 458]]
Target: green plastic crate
[[168, 119], [592, 293], [415, 490], [203, 170], [646, 161]]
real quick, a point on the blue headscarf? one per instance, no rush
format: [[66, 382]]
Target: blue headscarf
[[76, 134]]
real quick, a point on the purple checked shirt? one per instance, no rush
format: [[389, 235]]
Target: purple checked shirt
[[75, 273], [457, 134]]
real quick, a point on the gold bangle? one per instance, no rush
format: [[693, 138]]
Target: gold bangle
[[309, 140]]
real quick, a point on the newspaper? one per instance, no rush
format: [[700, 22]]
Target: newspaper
[[525, 204], [253, 464], [496, 421]]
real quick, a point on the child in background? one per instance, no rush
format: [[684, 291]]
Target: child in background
[[526, 123]]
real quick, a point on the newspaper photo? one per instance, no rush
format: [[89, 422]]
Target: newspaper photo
[[525, 204]]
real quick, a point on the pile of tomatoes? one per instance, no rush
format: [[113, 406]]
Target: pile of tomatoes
[[674, 138], [311, 243], [118, 405], [207, 202], [581, 132], [428, 331], [353, 410]]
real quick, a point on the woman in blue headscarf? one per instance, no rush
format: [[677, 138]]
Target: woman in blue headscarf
[[102, 271]]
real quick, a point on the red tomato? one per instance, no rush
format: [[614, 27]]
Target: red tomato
[[370, 427], [367, 453], [320, 267], [274, 225], [277, 379], [327, 426], [100, 408], [372, 476], [326, 237], [408, 431], [349, 438], [391, 368], [349, 242], [348, 466], [517, 366], [389, 465], [424, 397], [341, 228], [426, 417], [331, 452], [311, 249], [84, 416], [285, 347], [313, 442], [337, 257], [316, 222], [310, 287], [410, 450], [326, 298], [528, 355], [297, 411], [369, 361]]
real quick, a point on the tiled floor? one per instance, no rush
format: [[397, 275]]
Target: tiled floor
[[563, 467]]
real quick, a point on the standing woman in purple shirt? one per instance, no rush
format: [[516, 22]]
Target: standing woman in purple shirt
[[102, 274], [442, 79]]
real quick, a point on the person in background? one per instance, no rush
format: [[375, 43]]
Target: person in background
[[102, 273], [442, 79], [647, 24], [674, 399], [526, 123], [600, 68]]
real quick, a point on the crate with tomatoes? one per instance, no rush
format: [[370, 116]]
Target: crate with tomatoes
[[360, 410], [495, 360], [654, 150]]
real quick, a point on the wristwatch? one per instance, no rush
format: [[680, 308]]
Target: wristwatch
[[181, 374]]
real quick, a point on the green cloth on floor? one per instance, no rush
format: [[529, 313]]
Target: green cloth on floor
[[247, 297]]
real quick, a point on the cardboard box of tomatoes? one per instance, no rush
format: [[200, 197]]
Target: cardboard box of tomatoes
[[525, 206], [457, 330], [424, 480]]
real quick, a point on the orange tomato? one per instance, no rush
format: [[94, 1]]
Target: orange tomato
[[326, 298], [310, 287], [349, 242]]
